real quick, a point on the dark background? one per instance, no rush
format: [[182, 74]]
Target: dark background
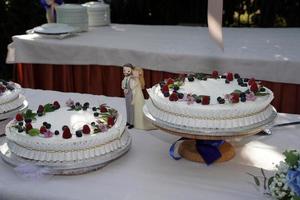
[[17, 16]]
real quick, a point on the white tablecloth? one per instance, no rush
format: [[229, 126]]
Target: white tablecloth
[[267, 54], [147, 172]]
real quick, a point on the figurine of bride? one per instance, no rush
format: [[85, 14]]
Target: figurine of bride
[[138, 101]]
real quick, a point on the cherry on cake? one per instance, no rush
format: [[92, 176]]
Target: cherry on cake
[[215, 101], [55, 132]]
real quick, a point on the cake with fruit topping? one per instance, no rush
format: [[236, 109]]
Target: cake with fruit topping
[[199, 101], [10, 96], [55, 133]]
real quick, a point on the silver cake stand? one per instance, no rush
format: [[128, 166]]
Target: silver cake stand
[[187, 148], [68, 167], [6, 117]]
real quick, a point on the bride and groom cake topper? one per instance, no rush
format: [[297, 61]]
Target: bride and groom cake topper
[[132, 85]]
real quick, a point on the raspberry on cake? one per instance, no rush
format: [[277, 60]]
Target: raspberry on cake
[[84, 135], [223, 106]]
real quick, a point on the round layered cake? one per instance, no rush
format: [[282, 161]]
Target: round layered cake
[[10, 96], [212, 102], [69, 133]]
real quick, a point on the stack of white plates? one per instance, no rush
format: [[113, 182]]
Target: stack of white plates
[[98, 13], [54, 30], [74, 15]]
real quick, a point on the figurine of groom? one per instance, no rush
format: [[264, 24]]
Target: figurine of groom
[[127, 84]]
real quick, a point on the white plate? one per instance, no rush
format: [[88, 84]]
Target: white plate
[[60, 36], [54, 29]]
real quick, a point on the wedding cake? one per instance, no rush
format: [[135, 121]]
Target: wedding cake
[[10, 96], [212, 102], [70, 133]]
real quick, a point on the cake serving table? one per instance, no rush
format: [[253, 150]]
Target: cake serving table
[[193, 137]]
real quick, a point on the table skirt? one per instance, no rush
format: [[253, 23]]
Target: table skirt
[[106, 80]]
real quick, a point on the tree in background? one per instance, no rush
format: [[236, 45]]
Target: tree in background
[[17, 16], [4, 71]]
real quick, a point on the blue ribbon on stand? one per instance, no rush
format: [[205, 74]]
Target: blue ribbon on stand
[[172, 149], [208, 149]]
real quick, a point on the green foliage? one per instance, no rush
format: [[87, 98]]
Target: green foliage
[[292, 158], [201, 76], [256, 180], [275, 186], [29, 114], [17, 16], [260, 94], [48, 108], [34, 132], [270, 180]]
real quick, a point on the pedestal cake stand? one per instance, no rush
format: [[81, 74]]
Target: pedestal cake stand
[[187, 148]]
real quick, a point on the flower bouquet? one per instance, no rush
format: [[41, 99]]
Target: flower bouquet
[[285, 184]]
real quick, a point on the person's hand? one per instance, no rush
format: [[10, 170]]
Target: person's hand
[[125, 91]]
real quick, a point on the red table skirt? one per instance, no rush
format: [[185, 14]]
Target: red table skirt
[[106, 80]]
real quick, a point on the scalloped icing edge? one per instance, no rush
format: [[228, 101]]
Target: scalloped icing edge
[[70, 155], [66, 144], [13, 95], [204, 123], [12, 105]]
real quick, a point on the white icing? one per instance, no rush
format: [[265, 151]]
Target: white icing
[[214, 115], [206, 123], [70, 155], [57, 148], [10, 95], [12, 105]]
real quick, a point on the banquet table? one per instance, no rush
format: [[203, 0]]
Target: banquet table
[[267, 54], [147, 171], [90, 61]]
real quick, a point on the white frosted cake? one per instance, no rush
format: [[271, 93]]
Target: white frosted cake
[[10, 96], [210, 102], [68, 133]]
